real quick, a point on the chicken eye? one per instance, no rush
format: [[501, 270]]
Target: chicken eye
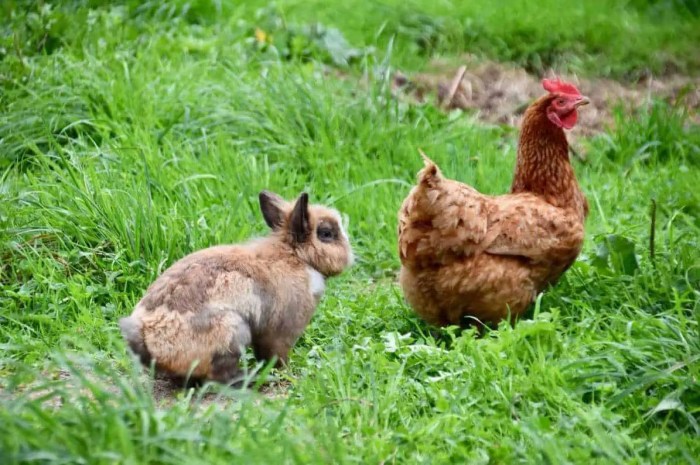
[[325, 234], [561, 102]]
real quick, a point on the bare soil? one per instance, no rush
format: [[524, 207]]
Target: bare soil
[[165, 390], [68, 388], [499, 93]]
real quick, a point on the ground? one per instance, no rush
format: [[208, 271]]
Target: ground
[[132, 133]]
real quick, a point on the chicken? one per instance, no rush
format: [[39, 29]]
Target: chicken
[[469, 258]]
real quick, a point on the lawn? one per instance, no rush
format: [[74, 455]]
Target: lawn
[[132, 133]]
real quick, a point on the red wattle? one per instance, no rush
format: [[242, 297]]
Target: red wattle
[[569, 121]]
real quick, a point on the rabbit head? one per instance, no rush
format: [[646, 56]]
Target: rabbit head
[[314, 232]]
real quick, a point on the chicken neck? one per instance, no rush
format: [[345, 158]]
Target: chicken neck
[[543, 167]]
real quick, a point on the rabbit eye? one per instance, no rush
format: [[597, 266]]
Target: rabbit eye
[[325, 234]]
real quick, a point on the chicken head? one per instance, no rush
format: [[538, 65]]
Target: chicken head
[[565, 99]]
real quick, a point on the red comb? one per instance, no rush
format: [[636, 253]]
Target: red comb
[[560, 87]]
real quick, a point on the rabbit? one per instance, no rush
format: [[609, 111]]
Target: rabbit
[[199, 315]]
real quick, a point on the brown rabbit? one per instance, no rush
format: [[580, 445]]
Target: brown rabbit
[[198, 316]]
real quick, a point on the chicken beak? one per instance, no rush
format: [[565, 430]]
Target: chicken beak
[[582, 101]]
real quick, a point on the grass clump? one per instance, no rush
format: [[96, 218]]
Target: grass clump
[[657, 122]]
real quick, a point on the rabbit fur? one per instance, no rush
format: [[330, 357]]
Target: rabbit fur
[[196, 319]]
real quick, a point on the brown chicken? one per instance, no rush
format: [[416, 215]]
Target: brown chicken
[[469, 258]]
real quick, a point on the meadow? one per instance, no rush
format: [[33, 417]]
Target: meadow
[[132, 133]]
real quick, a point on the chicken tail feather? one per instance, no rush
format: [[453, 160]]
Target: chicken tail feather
[[430, 172]]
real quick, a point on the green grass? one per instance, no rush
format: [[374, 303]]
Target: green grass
[[131, 135], [619, 38]]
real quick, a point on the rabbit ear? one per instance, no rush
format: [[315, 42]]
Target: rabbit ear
[[299, 222], [272, 208]]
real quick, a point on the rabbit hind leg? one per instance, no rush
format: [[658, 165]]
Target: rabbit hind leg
[[224, 366]]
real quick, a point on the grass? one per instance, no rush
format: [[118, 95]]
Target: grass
[[133, 134], [618, 38]]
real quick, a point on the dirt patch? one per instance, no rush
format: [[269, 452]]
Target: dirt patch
[[165, 391], [58, 387], [500, 93]]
